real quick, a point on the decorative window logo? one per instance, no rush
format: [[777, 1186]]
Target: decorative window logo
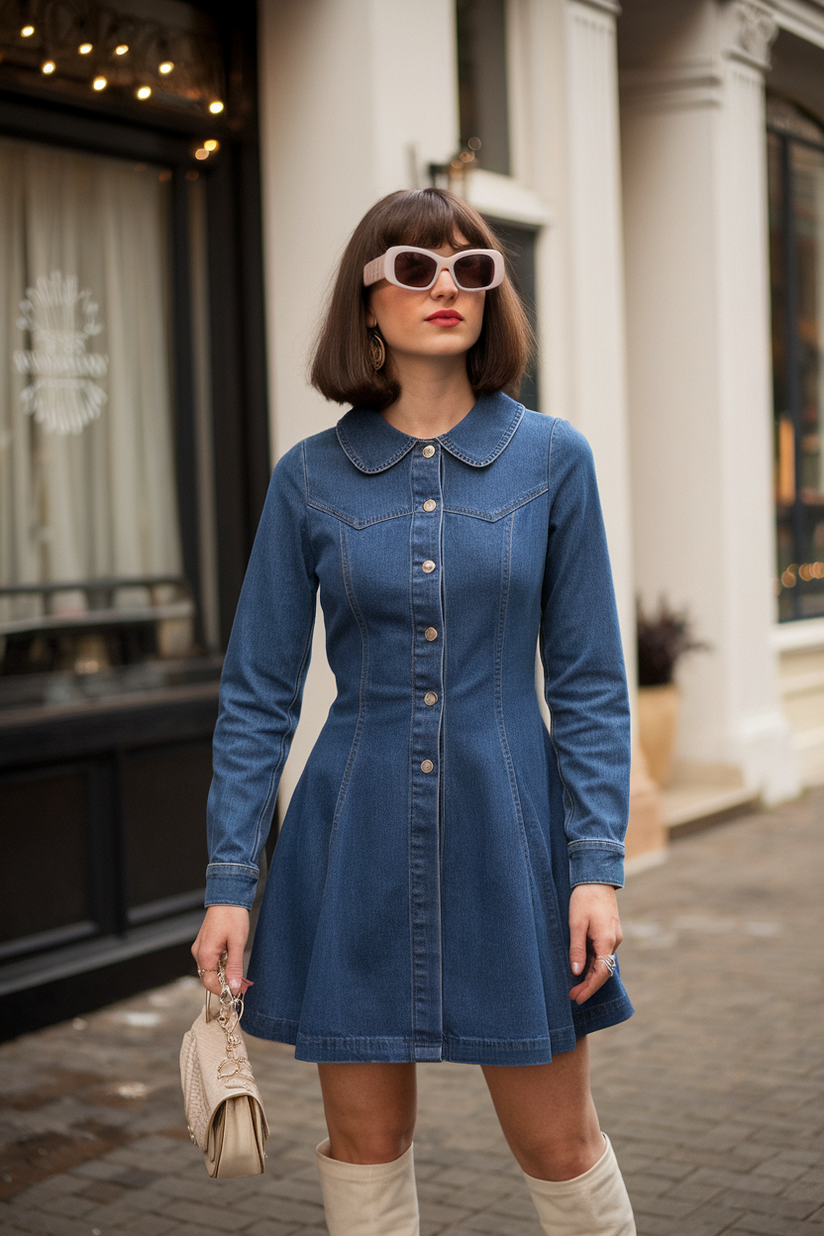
[[62, 398]]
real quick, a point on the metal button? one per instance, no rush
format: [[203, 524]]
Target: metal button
[[428, 451], [428, 567], [430, 504], [427, 766], [430, 633], [430, 698]]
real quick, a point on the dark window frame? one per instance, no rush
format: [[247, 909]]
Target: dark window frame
[[483, 86], [792, 406], [521, 240]]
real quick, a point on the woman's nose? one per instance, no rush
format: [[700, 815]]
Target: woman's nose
[[445, 285]]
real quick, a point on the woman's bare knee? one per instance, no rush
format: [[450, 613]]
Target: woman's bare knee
[[370, 1110], [547, 1115]]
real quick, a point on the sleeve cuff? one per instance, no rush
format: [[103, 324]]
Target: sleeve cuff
[[596, 862], [230, 884]]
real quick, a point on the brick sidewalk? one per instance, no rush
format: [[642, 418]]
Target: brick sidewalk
[[713, 1093]]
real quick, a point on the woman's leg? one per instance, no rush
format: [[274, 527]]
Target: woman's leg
[[547, 1114], [370, 1110], [549, 1120], [366, 1169]]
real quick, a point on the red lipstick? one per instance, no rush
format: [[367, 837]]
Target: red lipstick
[[446, 317]]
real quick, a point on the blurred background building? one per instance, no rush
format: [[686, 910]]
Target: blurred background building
[[177, 183]]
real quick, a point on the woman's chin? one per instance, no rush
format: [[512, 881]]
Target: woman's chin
[[445, 347]]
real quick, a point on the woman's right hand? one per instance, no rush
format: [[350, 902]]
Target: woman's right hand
[[225, 928]]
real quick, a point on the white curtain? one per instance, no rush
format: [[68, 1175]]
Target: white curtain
[[87, 484]]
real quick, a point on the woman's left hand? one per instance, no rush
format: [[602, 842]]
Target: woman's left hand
[[594, 931]]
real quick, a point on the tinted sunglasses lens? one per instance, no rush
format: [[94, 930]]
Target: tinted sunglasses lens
[[475, 271], [414, 270]]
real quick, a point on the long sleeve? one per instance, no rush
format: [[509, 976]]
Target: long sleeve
[[585, 680], [261, 687]]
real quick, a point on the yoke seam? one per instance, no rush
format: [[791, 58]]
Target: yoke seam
[[358, 524], [493, 516]]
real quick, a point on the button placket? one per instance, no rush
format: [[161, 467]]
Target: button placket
[[424, 841]]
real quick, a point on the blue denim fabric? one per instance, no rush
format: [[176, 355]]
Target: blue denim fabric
[[418, 902]]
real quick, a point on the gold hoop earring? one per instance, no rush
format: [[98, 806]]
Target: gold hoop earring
[[377, 350]]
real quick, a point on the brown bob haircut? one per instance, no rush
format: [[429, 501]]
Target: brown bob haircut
[[341, 366]]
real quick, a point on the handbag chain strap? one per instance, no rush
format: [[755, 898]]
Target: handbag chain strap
[[232, 1067]]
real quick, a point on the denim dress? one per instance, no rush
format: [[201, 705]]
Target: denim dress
[[417, 905]]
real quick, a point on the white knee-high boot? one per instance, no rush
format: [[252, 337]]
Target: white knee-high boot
[[593, 1204], [369, 1199]]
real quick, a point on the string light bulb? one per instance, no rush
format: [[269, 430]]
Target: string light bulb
[[202, 153], [84, 49], [143, 92], [216, 107], [27, 32], [211, 145], [121, 49], [48, 67], [165, 67], [99, 83]]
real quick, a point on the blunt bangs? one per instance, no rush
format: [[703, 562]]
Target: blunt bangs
[[430, 222]]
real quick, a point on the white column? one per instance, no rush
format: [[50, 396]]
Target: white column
[[699, 376], [595, 278], [596, 332]]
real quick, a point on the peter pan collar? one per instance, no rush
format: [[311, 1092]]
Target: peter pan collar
[[373, 445]]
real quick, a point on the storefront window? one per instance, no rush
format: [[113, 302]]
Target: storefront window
[[91, 574], [796, 192]]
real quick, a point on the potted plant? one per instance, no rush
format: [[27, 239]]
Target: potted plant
[[663, 638]]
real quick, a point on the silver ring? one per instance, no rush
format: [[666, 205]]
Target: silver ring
[[207, 971], [609, 961]]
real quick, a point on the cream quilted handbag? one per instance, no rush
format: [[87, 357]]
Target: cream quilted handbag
[[224, 1111]]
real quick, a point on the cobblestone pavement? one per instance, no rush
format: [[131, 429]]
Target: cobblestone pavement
[[713, 1093]]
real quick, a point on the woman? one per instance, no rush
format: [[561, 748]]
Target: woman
[[446, 868]]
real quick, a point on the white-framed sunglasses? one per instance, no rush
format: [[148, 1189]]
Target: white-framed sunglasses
[[473, 270]]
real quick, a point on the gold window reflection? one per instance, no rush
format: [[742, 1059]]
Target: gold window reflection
[[796, 199]]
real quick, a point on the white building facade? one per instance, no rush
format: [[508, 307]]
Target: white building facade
[[629, 145]]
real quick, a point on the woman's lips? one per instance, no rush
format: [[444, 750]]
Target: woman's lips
[[445, 318]]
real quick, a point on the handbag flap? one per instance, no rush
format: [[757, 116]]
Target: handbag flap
[[236, 1137]]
